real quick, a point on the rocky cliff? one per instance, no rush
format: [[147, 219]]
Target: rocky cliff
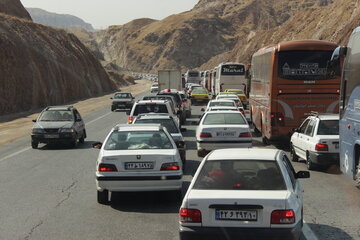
[[14, 8], [42, 66], [58, 20]]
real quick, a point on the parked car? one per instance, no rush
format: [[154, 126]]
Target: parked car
[[222, 129], [317, 141], [122, 101], [154, 87], [252, 193], [58, 124], [172, 127], [152, 106], [138, 158]]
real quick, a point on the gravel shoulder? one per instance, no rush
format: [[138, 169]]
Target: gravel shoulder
[[20, 126]]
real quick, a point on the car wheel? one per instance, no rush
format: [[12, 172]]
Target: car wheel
[[265, 141], [309, 164], [183, 159], [103, 197], [74, 143], [34, 144], [293, 155], [82, 139]]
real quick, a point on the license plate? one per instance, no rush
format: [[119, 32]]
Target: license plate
[[141, 165], [240, 215], [225, 134], [51, 135]]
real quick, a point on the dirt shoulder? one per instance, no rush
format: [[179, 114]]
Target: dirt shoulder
[[21, 127]]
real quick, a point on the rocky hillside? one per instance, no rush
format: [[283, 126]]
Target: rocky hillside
[[58, 20], [14, 8], [224, 30], [42, 66]]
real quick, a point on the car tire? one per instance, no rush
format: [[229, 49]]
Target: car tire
[[265, 141], [309, 164], [103, 197], [112, 108], [34, 144], [293, 155], [82, 139], [74, 143], [183, 159]]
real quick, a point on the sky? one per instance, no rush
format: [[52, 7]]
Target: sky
[[102, 13]]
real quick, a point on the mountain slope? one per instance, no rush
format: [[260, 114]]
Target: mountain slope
[[43, 66], [58, 20], [14, 8]]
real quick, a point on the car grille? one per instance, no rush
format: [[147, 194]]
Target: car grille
[[51, 130]]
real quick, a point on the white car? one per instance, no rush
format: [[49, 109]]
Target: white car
[[138, 158], [253, 193], [222, 129], [221, 108], [317, 141], [225, 103], [230, 97], [154, 87]]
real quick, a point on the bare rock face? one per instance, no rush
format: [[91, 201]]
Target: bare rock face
[[14, 8], [41, 66]]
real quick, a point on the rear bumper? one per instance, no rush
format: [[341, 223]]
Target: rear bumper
[[122, 105], [135, 184], [324, 159], [240, 233], [208, 146]]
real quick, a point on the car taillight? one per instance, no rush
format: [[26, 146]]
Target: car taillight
[[190, 215], [245, 135], [277, 119], [243, 112], [150, 103], [283, 217], [205, 135], [107, 168], [321, 147], [170, 167], [131, 119]]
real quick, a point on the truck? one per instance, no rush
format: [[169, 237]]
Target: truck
[[170, 79]]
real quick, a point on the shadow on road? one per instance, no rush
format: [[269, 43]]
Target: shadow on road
[[58, 146], [329, 232], [191, 167]]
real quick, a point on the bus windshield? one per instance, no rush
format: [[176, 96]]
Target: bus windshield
[[303, 65], [233, 70]]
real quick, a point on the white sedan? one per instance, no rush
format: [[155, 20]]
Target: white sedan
[[222, 129], [138, 158], [252, 193]]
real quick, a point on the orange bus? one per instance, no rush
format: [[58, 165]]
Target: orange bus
[[288, 81]]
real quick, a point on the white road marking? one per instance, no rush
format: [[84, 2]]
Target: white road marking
[[14, 154], [28, 148], [308, 233], [98, 118]]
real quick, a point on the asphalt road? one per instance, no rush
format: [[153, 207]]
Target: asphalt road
[[49, 193]]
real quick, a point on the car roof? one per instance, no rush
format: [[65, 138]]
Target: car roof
[[122, 92], [64, 107], [222, 100], [153, 116], [219, 112], [244, 154], [138, 127], [224, 107], [327, 116], [152, 101]]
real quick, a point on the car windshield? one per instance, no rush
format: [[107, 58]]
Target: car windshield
[[168, 123], [240, 175], [199, 91], [328, 127], [134, 140], [224, 118], [228, 104], [57, 115], [122, 95], [150, 108]]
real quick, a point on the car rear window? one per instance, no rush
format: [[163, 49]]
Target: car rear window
[[150, 108], [228, 104], [122, 95], [168, 123], [199, 91], [240, 175], [224, 118], [134, 140], [328, 127]]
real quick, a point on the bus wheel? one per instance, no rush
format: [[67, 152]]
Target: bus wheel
[[265, 141]]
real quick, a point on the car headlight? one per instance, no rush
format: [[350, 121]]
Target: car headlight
[[67, 130], [38, 130]]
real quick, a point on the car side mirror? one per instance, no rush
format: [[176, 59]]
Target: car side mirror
[[302, 174], [180, 144], [128, 112], [133, 97], [111, 98], [202, 109], [296, 130], [34, 120], [183, 129], [97, 145]]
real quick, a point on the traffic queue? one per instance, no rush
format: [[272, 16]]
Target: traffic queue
[[237, 189]]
